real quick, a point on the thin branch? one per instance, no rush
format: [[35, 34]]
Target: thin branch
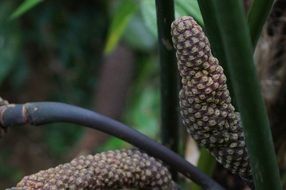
[[50, 112]]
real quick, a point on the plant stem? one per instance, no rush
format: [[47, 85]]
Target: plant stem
[[168, 76], [49, 112], [238, 49], [257, 16], [207, 164]]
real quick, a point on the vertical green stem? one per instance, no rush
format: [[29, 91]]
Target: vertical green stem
[[169, 75], [207, 164], [257, 16], [238, 49]]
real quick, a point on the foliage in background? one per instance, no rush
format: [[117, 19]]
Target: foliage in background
[[24, 7], [60, 49], [120, 19], [54, 52], [10, 41], [182, 7], [49, 53]]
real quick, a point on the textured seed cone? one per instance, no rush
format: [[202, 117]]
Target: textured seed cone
[[109, 170], [205, 102]]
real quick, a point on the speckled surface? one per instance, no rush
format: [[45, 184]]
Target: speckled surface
[[109, 170], [205, 103]]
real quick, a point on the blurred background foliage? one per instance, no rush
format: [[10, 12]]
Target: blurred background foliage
[[101, 55], [97, 54]]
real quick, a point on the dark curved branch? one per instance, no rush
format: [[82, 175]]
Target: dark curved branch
[[49, 112]]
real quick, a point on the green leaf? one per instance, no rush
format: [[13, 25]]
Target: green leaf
[[207, 164], [138, 36], [24, 7], [120, 20], [189, 8], [231, 22], [257, 16], [148, 11], [182, 8]]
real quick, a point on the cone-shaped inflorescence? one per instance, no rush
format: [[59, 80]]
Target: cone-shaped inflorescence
[[205, 102], [109, 170]]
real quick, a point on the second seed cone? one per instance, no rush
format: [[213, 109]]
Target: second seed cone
[[118, 169]]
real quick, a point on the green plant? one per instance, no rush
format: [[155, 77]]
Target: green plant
[[227, 29]]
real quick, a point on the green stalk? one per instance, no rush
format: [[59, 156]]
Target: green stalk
[[169, 76], [238, 49], [257, 16], [207, 164]]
